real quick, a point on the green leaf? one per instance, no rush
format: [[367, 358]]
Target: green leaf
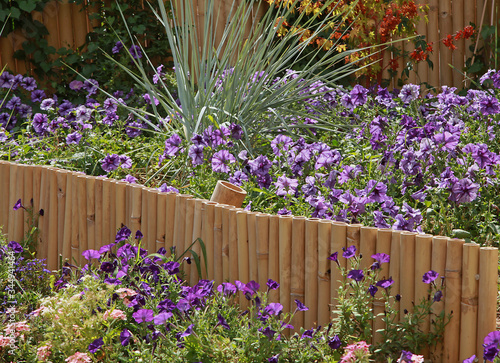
[[476, 67], [27, 6], [15, 13], [460, 233], [29, 47]]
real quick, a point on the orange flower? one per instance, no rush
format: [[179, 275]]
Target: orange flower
[[448, 42]]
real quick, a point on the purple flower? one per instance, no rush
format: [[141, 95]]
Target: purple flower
[[409, 92], [437, 296], [489, 105], [470, 360], [492, 338], [164, 188], [300, 306], [430, 276], [307, 334], [172, 145], [335, 342], [125, 162], [381, 257], [385, 284], [349, 252], [75, 85], [286, 186], [130, 179], [162, 318], [449, 141], [196, 154], [268, 332], [110, 162], [18, 205], [117, 48], [125, 337], [334, 257], [356, 275], [188, 331], [96, 345], [135, 52], [490, 352], [260, 165], [272, 285], [220, 161], [47, 104], [358, 95], [227, 288], [222, 321], [138, 234], [90, 254], [376, 192], [464, 191], [274, 309], [274, 358], [40, 123], [122, 234], [73, 138], [90, 85], [15, 247], [372, 290], [143, 315]]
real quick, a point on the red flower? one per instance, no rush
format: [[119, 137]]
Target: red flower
[[448, 42]]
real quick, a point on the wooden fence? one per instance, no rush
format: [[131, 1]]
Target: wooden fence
[[68, 26], [84, 212]]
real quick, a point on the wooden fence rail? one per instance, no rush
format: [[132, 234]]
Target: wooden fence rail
[[68, 25], [84, 212]]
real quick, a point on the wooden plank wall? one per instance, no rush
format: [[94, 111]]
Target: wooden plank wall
[[68, 25], [84, 212]]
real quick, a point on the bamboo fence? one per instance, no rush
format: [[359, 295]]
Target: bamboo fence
[[68, 25], [84, 212]]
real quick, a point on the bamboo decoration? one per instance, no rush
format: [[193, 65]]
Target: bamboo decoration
[[180, 222], [61, 176], [367, 245], [353, 235], [28, 192], [76, 254], [285, 260], [311, 272], [161, 213], [52, 221], [43, 204], [209, 239], [90, 206], [19, 219], [15, 193], [170, 220], [324, 237], [107, 234], [438, 262], [145, 218], [458, 60], [136, 208], [453, 293], [37, 184], [120, 205], [422, 67], [488, 292], [297, 269], [262, 249], [433, 36], [98, 205], [225, 241], [227, 193], [150, 232], [4, 185], [407, 272], [188, 233], [218, 265], [252, 247], [233, 246], [469, 300], [196, 233], [241, 260], [423, 253], [81, 192], [394, 267], [384, 237], [337, 243], [68, 212], [274, 259]]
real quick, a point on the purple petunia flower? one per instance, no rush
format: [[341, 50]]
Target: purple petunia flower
[[117, 48], [110, 162], [196, 154], [15, 247], [18, 205], [188, 331], [90, 254], [409, 92], [164, 188], [162, 318], [138, 234], [227, 288], [356, 275], [490, 352], [96, 345], [437, 296], [73, 138], [122, 234], [130, 179], [470, 360], [334, 257], [90, 85], [274, 308], [75, 85], [274, 358], [464, 191], [349, 252], [286, 186], [125, 337], [222, 322], [430, 276], [300, 306], [381, 257], [372, 290], [492, 338], [385, 284], [220, 160], [135, 51], [143, 315], [335, 342]]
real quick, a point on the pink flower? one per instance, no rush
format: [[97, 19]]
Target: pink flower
[[115, 314], [356, 353], [79, 358], [37, 312], [417, 358], [124, 292], [43, 352], [5, 341]]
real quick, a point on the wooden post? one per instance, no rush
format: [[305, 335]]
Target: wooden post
[[225, 222], [252, 246], [15, 193], [233, 246], [469, 17], [311, 272], [120, 204], [262, 235], [170, 220], [52, 221], [43, 204], [195, 234], [51, 22], [274, 264], [227, 193], [68, 213], [433, 37], [407, 272], [422, 67], [180, 222], [81, 192], [488, 293], [438, 263], [5, 185], [65, 24], [458, 60], [394, 268], [188, 233], [217, 235], [150, 232], [61, 210], [146, 241], [161, 213], [445, 54], [324, 272], [367, 245], [107, 233], [28, 192], [423, 253], [80, 29], [285, 260], [209, 234], [297, 269], [469, 300], [76, 252], [98, 233], [241, 260], [337, 243], [453, 293], [91, 212], [353, 236]]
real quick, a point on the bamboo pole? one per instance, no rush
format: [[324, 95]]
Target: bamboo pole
[[170, 220], [28, 192], [233, 246], [367, 245], [209, 240], [274, 256], [422, 67], [43, 220], [469, 300], [407, 272], [61, 176], [384, 237], [161, 216], [423, 253], [445, 54], [262, 236], [20, 219], [15, 193], [180, 222], [136, 208], [252, 246], [68, 213], [394, 269], [241, 256], [150, 231], [217, 233], [338, 242], [37, 184], [438, 264], [227, 193], [297, 269], [311, 272], [188, 233], [323, 273], [4, 205], [98, 203], [52, 221], [120, 205], [107, 233], [453, 292], [91, 212], [433, 37], [285, 260], [76, 252], [112, 209], [488, 293], [458, 60], [226, 276], [353, 235], [469, 17], [196, 233], [81, 192]]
